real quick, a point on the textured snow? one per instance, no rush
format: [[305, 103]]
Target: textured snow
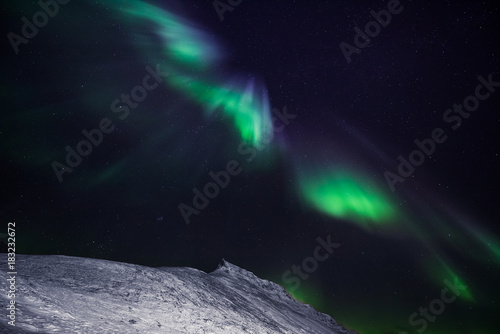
[[61, 294]]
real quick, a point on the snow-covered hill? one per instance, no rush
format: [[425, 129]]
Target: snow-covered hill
[[61, 294]]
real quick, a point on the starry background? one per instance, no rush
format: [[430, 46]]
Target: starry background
[[352, 121]]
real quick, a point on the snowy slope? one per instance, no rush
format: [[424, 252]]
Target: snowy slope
[[60, 294]]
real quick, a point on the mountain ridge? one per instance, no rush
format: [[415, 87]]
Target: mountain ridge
[[64, 294]]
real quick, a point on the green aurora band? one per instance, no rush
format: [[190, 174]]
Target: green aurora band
[[190, 57], [443, 271], [347, 195]]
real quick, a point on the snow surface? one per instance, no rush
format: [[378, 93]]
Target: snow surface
[[61, 294]]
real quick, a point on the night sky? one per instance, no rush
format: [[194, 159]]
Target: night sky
[[385, 146]]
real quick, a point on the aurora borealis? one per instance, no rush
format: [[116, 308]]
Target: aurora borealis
[[190, 55], [347, 196], [224, 89]]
